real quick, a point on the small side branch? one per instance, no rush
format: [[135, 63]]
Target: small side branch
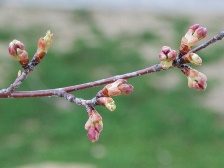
[[209, 42]]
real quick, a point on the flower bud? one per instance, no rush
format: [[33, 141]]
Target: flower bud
[[112, 88], [94, 125], [17, 51], [196, 80], [13, 46], [116, 88], [22, 57], [95, 116], [193, 58], [167, 56], [108, 102], [125, 89], [44, 44], [93, 134], [194, 34]]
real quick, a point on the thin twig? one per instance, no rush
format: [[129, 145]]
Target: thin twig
[[209, 42], [54, 92]]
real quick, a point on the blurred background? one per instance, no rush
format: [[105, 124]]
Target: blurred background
[[162, 124]]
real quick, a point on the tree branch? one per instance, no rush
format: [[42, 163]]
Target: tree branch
[[54, 92], [8, 93]]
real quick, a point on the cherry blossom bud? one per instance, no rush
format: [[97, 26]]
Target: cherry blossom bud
[[17, 51], [116, 88], [94, 125], [194, 34], [95, 116], [196, 80], [99, 126], [167, 56], [93, 134], [44, 44], [125, 89], [193, 58], [108, 102], [13, 46], [22, 57]]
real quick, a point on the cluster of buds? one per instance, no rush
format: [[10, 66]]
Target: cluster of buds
[[17, 51], [119, 87], [194, 34], [94, 124], [43, 44], [167, 56], [196, 79]]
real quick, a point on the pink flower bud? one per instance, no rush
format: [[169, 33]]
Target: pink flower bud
[[125, 89], [112, 89], [196, 80], [167, 56], [118, 87], [195, 34], [94, 125], [162, 56], [44, 44], [13, 46], [17, 50], [107, 102], [200, 33], [193, 58], [93, 134]]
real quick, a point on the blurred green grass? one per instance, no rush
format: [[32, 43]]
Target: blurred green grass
[[150, 128]]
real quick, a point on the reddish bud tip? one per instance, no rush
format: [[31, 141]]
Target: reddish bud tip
[[194, 27], [93, 134], [125, 89]]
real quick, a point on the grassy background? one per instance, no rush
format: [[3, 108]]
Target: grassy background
[[153, 127]]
